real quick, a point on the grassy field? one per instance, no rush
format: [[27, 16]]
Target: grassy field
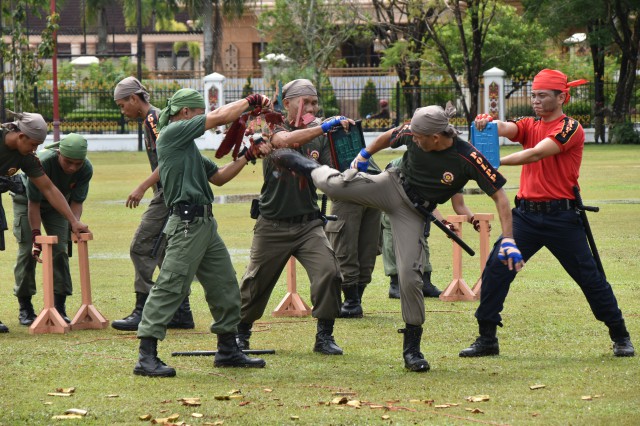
[[550, 336]]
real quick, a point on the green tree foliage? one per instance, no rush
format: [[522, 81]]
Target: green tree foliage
[[310, 31], [613, 30], [23, 63], [368, 100]]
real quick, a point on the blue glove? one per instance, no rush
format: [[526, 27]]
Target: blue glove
[[357, 162], [509, 253], [331, 122]]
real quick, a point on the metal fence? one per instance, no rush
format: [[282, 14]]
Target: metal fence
[[85, 108]]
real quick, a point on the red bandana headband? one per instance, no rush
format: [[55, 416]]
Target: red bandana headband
[[555, 80]]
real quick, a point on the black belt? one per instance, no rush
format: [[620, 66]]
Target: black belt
[[183, 209], [300, 218], [545, 206], [413, 195]]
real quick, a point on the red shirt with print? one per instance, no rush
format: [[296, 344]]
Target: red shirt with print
[[553, 177]]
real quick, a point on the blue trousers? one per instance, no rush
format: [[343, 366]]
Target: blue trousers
[[561, 232]]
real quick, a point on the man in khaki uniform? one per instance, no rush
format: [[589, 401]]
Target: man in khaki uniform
[[290, 224], [133, 100]]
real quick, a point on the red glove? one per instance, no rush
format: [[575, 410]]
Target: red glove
[[476, 223], [257, 100], [449, 225], [36, 248], [484, 117]]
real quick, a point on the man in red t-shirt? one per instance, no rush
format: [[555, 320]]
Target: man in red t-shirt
[[545, 213]]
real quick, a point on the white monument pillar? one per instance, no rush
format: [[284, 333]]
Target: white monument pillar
[[214, 98]]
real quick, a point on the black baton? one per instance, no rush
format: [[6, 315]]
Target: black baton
[[582, 209], [159, 239], [323, 211], [213, 353], [429, 216]]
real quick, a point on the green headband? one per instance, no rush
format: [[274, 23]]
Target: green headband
[[183, 98], [73, 146]]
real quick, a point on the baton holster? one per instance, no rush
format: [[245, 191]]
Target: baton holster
[[254, 211]]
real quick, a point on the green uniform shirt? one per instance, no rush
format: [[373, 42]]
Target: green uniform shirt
[[11, 160], [184, 172], [73, 187], [437, 175], [284, 195]]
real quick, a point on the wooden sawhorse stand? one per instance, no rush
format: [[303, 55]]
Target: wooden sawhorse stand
[[485, 236], [458, 288], [87, 316], [292, 305], [49, 320]]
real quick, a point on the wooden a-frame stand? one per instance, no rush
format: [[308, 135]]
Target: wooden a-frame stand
[[49, 320], [485, 241], [87, 316], [292, 305], [458, 288]]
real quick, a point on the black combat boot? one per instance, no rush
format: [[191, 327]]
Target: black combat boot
[[148, 362], [294, 161], [60, 303], [394, 287], [325, 344], [230, 355], [27, 315], [413, 358], [3, 328], [351, 307], [622, 345], [428, 289], [243, 335], [183, 318], [131, 322], [486, 344]]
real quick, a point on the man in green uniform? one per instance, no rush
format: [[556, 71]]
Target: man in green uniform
[[18, 142], [436, 165], [65, 163], [133, 100], [290, 224], [194, 247]]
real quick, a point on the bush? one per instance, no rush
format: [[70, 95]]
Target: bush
[[625, 133], [368, 100], [247, 89]]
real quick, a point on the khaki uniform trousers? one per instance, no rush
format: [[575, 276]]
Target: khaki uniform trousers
[[354, 238], [25, 268], [388, 254], [385, 192], [152, 221], [274, 242], [198, 252]]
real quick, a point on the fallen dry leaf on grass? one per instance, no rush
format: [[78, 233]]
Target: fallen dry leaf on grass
[[385, 417], [442, 406], [145, 417], [67, 417], [587, 398], [197, 415], [243, 403], [66, 390], [534, 387], [267, 390], [216, 423], [294, 418], [354, 403], [113, 395], [475, 410], [78, 411], [478, 398], [59, 394], [190, 402]]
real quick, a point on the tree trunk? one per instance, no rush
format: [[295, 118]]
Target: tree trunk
[[103, 32], [207, 29]]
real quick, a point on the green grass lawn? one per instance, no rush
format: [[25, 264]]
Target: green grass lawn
[[550, 336]]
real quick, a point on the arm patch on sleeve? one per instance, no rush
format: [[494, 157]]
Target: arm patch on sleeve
[[569, 128], [398, 135]]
